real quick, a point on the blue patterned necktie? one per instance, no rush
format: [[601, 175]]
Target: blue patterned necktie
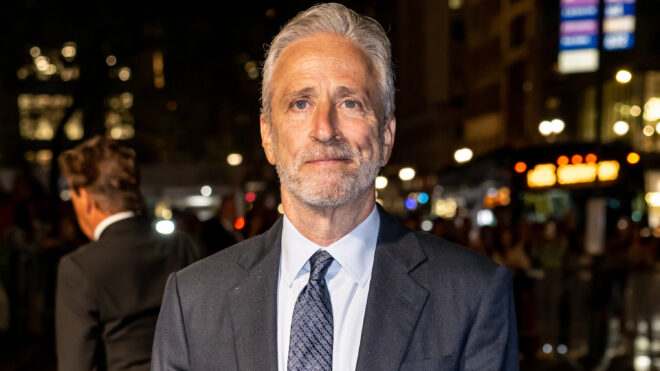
[[310, 347]]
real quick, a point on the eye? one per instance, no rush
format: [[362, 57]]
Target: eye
[[300, 104], [350, 104]]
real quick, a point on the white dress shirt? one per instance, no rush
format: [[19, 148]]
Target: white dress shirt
[[114, 218], [348, 282]]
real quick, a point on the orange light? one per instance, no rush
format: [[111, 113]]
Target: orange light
[[632, 158], [576, 159], [239, 223], [562, 160], [590, 158], [520, 167]]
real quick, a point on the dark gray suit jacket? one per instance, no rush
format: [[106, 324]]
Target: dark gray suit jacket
[[109, 293], [432, 305]]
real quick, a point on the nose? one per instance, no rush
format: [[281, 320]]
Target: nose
[[325, 123]]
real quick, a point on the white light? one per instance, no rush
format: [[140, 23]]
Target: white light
[[635, 111], [381, 182], [648, 130], [206, 191], [407, 173], [234, 159], [463, 155], [578, 60], [42, 63], [35, 51], [65, 195], [111, 60], [623, 76], [652, 109], [621, 128], [485, 217], [545, 128], [69, 50], [167, 214], [642, 363], [455, 4], [165, 226], [198, 201], [562, 349], [427, 225], [547, 348], [557, 126], [124, 74]]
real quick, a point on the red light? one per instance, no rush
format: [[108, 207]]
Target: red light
[[239, 223], [520, 167], [562, 160], [590, 158], [576, 159], [632, 158], [250, 197]]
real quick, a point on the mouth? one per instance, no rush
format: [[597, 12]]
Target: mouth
[[327, 161]]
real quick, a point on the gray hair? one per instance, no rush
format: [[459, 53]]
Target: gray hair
[[335, 18]]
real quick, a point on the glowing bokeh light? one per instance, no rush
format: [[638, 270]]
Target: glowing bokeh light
[[407, 173], [411, 203], [165, 226], [239, 223], [621, 128], [633, 158], [623, 76], [423, 198], [381, 182], [520, 167]]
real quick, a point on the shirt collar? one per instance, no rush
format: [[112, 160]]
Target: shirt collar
[[114, 218], [354, 252]]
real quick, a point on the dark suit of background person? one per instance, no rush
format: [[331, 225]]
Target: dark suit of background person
[[430, 305], [109, 291]]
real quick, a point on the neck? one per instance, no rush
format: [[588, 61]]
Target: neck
[[325, 225]]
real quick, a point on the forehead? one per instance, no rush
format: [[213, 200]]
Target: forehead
[[322, 56]]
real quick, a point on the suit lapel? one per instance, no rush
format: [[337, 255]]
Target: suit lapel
[[395, 299], [253, 304]]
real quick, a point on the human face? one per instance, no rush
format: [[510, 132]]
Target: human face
[[324, 136]]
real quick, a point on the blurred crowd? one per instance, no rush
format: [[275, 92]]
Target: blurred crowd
[[571, 304]]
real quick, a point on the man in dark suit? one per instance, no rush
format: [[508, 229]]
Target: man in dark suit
[[336, 283], [109, 291]]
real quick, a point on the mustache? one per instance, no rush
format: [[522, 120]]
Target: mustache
[[327, 151]]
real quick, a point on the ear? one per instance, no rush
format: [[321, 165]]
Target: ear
[[87, 200], [388, 139], [267, 139]]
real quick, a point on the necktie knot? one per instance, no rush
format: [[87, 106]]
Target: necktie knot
[[319, 262]]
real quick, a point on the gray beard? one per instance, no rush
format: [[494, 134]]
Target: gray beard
[[332, 190]]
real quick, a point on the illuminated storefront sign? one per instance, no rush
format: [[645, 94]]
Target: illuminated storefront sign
[[618, 24], [547, 175], [578, 39]]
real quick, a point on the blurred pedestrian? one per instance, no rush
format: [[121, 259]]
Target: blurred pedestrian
[[109, 291]]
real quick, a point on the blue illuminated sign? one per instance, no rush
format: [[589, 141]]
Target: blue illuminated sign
[[618, 24]]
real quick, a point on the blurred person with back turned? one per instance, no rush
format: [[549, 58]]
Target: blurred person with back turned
[[109, 291], [337, 283]]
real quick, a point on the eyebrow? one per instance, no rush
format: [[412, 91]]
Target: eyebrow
[[304, 92], [343, 91]]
